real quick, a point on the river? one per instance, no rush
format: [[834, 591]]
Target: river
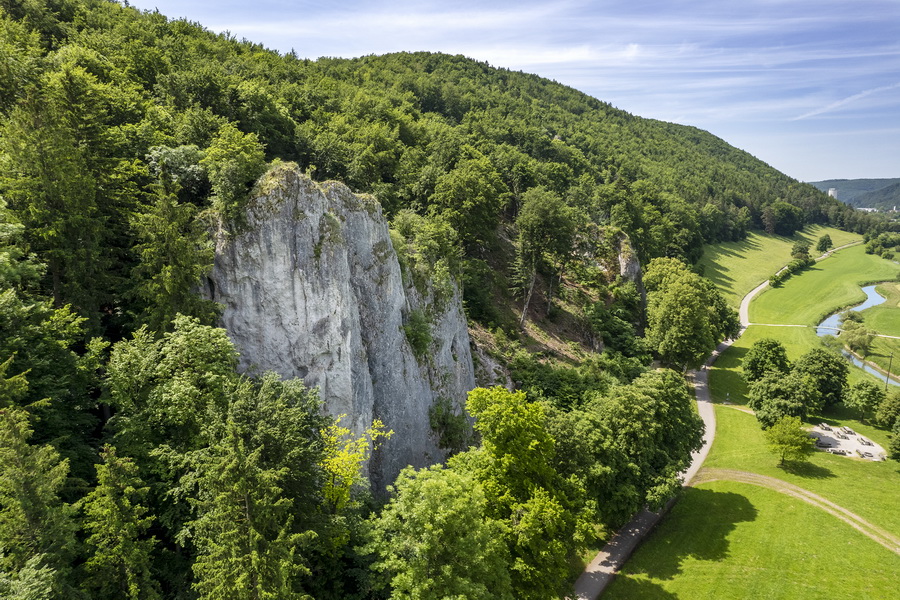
[[830, 327]]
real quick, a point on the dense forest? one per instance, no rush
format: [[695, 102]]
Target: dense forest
[[136, 462]]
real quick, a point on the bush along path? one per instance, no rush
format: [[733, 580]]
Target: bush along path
[[601, 571]]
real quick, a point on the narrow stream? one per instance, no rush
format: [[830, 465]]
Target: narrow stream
[[830, 327]]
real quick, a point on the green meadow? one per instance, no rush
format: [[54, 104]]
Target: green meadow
[[738, 267], [805, 299], [869, 489], [727, 539], [831, 284]]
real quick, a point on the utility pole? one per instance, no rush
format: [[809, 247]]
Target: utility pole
[[888, 378]]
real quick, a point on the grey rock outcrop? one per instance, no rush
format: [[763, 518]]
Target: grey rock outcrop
[[629, 265], [312, 288]]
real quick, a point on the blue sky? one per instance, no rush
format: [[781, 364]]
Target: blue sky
[[810, 87]]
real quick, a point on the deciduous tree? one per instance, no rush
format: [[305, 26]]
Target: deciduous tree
[[234, 161], [638, 439], [888, 412], [687, 317], [471, 197], [546, 234], [865, 396], [828, 372], [435, 517], [523, 490], [788, 440], [764, 356], [776, 396]]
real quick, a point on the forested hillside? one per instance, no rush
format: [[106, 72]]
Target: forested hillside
[[886, 198], [136, 462], [868, 193], [99, 99]]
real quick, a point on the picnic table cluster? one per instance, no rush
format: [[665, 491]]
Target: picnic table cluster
[[842, 433]]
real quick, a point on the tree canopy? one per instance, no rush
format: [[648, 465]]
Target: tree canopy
[[777, 395], [789, 440], [137, 462], [687, 316], [764, 356]]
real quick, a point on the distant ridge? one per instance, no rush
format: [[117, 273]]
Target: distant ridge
[[885, 198], [874, 193]]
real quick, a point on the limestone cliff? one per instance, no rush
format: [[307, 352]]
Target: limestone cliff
[[312, 288]]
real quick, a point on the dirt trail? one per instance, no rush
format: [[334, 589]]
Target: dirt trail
[[871, 531]]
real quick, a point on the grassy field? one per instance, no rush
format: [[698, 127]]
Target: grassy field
[[738, 267], [804, 299], [885, 318], [869, 489], [807, 297], [726, 381], [733, 540]]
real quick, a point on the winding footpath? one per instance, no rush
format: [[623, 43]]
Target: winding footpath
[[602, 570]]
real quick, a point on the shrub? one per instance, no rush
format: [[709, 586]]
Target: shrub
[[418, 332]]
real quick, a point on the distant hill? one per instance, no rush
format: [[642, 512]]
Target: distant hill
[[885, 198], [855, 192]]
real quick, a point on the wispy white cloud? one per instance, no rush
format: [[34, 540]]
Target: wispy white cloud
[[849, 100]]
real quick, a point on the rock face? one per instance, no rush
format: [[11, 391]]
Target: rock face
[[312, 288]]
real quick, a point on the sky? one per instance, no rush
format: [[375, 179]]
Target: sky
[[810, 87]]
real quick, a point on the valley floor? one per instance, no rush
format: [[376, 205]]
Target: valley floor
[[749, 529]]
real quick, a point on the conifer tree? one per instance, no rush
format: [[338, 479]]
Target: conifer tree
[[49, 186], [175, 252], [246, 549], [34, 522], [34, 581], [116, 520]]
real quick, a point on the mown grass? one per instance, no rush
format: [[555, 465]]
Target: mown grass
[[738, 267], [733, 540], [804, 299], [726, 381], [823, 288], [866, 488], [885, 318]]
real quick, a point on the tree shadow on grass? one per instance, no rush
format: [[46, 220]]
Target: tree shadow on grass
[[624, 586], [726, 378], [808, 470], [697, 527]]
